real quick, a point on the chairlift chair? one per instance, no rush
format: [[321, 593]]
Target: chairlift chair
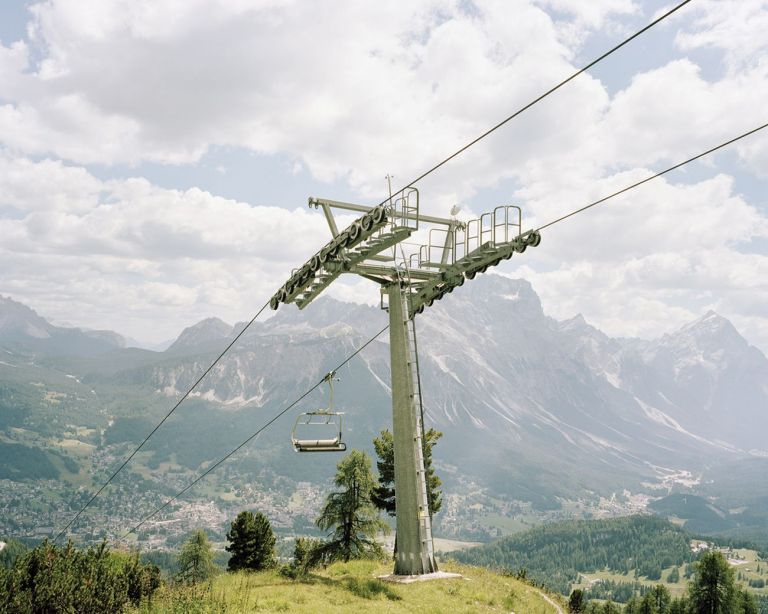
[[325, 424]]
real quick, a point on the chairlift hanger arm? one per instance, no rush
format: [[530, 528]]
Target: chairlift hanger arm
[[323, 439], [331, 221]]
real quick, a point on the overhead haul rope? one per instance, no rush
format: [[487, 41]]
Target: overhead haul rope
[[249, 439], [362, 347], [655, 176], [159, 424], [552, 90]]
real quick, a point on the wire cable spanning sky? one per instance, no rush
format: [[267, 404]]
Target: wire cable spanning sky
[[155, 158], [181, 399], [291, 405], [425, 174]]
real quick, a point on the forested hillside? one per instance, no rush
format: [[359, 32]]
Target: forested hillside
[[555, 554]]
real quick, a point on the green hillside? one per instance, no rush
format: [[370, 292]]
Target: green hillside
[[556, 554], [747, 522], [354, 587]]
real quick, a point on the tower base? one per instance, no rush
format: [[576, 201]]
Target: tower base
[[425, 577]]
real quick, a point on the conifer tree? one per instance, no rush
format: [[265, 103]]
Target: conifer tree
[[713, 590], [349, 513], [383, 495], [746, 603], [251, 542], [577, 603], [660, 597], [678, 606], [196, 559]]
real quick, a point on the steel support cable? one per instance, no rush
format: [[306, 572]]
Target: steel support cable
[[248, 440], [655, 176], [159, 424], [294, 403], [552, 90]]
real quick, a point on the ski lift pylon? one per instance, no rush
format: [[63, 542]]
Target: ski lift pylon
[[325, 423]]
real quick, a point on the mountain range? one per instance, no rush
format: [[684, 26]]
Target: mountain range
[[532, 408]]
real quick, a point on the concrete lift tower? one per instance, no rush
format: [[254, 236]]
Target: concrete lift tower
[[454, 252]]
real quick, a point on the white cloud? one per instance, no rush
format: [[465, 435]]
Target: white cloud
[[46, 185], [348, 91], [735, 26], [97, 253], [351, 94]]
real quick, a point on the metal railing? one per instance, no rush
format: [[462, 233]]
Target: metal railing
[[446, 246]]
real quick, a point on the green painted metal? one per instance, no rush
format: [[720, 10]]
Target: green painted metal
[[477, 261], [345, 263], [454, 252], [313, 271], [415, 552]]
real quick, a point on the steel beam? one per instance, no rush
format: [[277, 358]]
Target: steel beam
[[338, 204], [415, 552]]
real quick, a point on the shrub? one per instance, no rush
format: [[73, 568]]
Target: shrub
[[58, 580]]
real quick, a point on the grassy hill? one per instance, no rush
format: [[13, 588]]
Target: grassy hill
[[612, 558], [354, 587]]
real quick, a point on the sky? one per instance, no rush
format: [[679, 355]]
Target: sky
[[156, 155]]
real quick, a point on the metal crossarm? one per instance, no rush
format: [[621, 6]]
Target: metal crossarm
[[454, 252], [477, 261], [316, 271], [346, 264]]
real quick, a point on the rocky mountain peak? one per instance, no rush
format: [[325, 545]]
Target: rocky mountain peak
[[18, 319], [23, 328], [205, 331], [710, 337], [712, 323], [578, 325]]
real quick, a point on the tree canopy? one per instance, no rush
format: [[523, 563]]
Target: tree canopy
[[196, 559], [713, 590], [251, 542], [383, 495], [349, 514], [62, 580]]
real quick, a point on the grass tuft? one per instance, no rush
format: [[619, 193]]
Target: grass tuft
[[370, 589]]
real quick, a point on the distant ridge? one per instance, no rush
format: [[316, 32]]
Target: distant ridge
[[21, 328]]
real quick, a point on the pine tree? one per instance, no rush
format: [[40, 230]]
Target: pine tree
[[661, 598], [678, 606], [674, 576], [577, 603], [196, 559], [349, 513], [746, 603], [307, 554], [252, 542], [712, 590], [383, 495], [647, 605]]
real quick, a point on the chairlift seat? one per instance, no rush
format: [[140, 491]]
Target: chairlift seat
[[319, 445], [326, 428]]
